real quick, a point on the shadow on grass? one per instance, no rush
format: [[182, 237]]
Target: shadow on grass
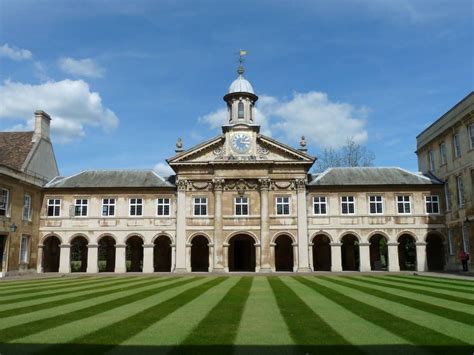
[[10, 349]]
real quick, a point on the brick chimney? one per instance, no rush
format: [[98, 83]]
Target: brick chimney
[[42, 122]]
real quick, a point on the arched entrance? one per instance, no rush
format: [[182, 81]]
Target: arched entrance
[[162, 254], [134, 254], [350, 253], [200, 254], [283, 253], [321, 253], [79, 254], [378, 252], [106, 254], [407, 252], [435, 252], [242, 253], [51, 253]]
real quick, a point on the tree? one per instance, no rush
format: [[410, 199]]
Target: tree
[[351, 154]]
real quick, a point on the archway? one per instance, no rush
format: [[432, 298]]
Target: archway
[[242, 253], [134, 254], [321, 253], [378, 252], [435, 252], [350, 253], [79, 254], [162, 254], [200, 254], [51, 252], [407, 252], [106, 254], [283, 253]]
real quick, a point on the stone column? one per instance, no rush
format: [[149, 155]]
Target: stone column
[[336, 260], [217, 256], [148, 262], [226, 256], [120, 258], [272, 256], [181, 227], [258, 253], [421, 256], [303, 262], [393, 262], [39, 261], [310, 256], [188, 258], [364, 257], [265, 258], [211, 258], [173, 257], [65, 258], [295, 256], [92, 258]]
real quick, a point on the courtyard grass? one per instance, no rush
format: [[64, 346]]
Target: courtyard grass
[[239, 314]]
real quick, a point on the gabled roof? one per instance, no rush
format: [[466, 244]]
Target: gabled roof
[[370, 176], [15, 148], [294, 152], [196, 149], [111, 179]]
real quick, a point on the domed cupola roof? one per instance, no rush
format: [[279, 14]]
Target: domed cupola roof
[[241, 84]]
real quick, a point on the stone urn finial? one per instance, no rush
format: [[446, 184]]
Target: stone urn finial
[[179, 145], [303, 144]]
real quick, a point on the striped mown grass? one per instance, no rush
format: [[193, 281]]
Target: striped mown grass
[[208, 314]]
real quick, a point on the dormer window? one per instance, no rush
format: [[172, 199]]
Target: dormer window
[[240, 110]]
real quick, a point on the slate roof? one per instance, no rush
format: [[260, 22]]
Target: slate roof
[[370, 176], [14, 148], [112, 178]]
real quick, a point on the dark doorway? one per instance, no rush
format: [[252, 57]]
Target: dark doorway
[[435, 252], [3, 241], [134, 254], [283, 253], [162, 254], [106, 254], [242, 253], [200, 254], [79, 254], [321, 253], [350, 253], [51, 253], [378, 252], [407, 252]]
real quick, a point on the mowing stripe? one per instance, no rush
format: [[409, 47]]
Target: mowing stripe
[[109, 337], [423, 284], [444, 296], [261, 321], [22, 330], [219, 328], [44, 284], [38, 289], [469, 285], [59, 301], [413, 332], [307, 329], [6, 283], [410, 302]]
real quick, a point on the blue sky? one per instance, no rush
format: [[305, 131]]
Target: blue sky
[[122, 80]]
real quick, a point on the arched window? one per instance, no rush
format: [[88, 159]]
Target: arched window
[[241, 110]]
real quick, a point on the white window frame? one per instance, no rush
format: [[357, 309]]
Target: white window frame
[[244, 202], [470, 130], [456, 145], [27, 211], [5, 196], [283, 201], [322, 203], [135, 204], [163, 203], [442, 153], [460, 191], [107, 205], [431, 160], [376, 200], [450, 242], [81, 204], [404, 203], [200, 202], [55, 203], [431, 201], [24, 257], [349, 203]]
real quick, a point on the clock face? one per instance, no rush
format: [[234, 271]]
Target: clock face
[[240, 143]]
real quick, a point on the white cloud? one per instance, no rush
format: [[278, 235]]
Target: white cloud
[[15, 53], [81, 67], [163, 169], [70, 103], [323, 122]]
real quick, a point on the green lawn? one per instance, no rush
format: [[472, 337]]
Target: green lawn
[[244, 315]]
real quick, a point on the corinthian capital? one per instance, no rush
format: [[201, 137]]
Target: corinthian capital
[[264, 183], [218, 183], [300, 184], [182, 184]]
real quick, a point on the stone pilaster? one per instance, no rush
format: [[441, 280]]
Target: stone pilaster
[[272, 256], [39, 261], [216, 262], [364, 257], [65, 259], [393, 262], [265, 258], [421, 256], [303, 262], [310, 256], [181, 226], [173, 257], [226, 256], [148, 266], [211, 258], [188, 258], [258, 252], [295, 256], [120, 258], [336, 260], [92, 258]]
